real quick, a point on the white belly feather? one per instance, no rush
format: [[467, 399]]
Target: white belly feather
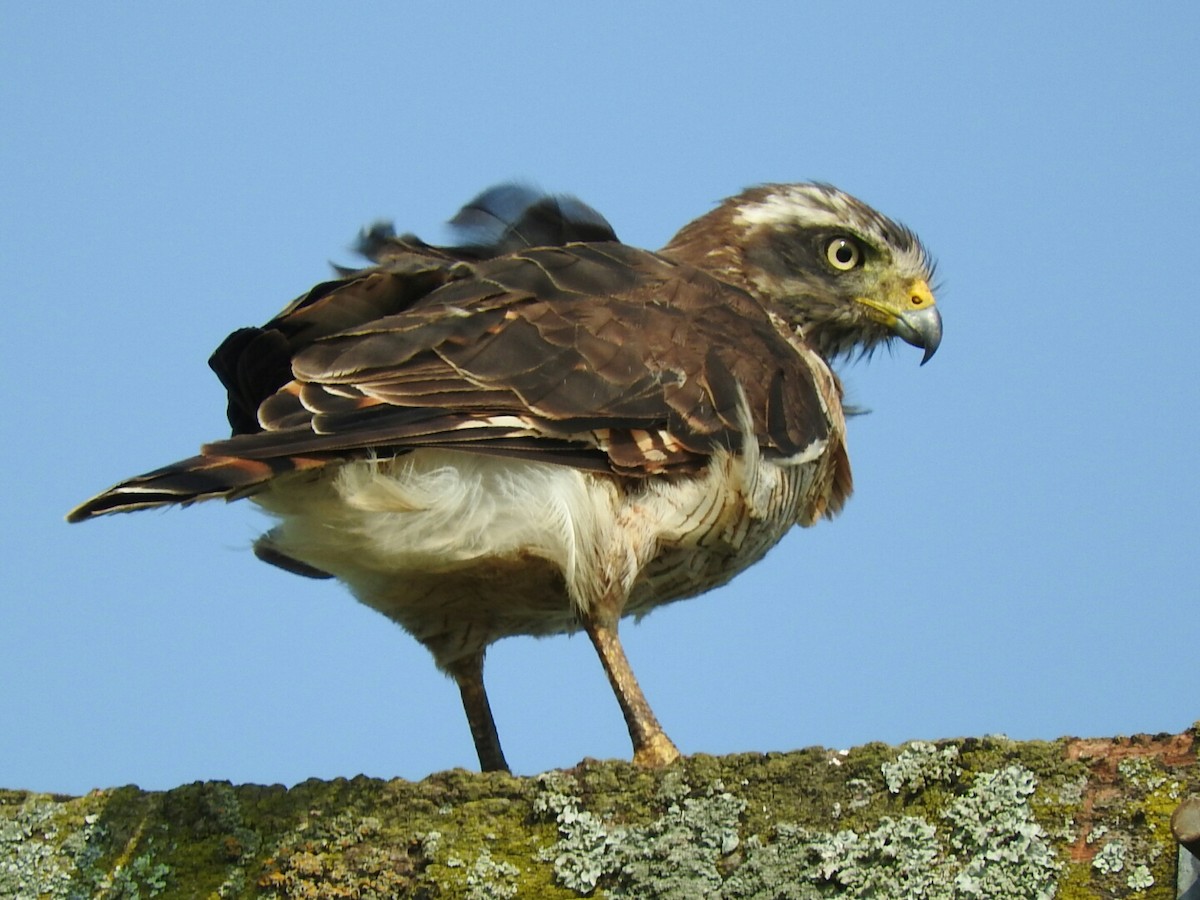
[[462, 549]]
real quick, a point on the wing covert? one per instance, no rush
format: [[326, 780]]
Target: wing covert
[[597, 353]]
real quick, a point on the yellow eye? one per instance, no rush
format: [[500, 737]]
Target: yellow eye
[[843, 254]]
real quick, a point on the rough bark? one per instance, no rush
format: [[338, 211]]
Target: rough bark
[[987, 818]]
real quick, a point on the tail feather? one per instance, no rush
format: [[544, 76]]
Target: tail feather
[[190, 480]]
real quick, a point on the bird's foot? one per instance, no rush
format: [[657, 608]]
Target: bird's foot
[[657, 752], [652, 749]]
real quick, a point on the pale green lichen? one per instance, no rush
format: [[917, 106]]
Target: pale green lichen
[[1005, 854], [1136, 850], [676, 855], [897, 859], [34, 861], [1111, 858], [585, 847], [991, 818], [491, 880], [1055, 807], [48, 850], [990, 847], [920, 765], [143, 873], [1140, 878], [1140, 772]]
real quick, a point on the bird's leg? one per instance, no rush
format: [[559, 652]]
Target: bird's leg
[[468, 674], [651, 746]]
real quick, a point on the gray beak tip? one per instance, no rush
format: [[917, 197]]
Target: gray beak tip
[[921, 328]]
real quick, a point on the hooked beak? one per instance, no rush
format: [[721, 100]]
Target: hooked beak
[[921, 328], [911, 315]]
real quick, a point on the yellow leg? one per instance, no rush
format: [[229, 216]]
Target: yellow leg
[[651, 746], [468, 673]]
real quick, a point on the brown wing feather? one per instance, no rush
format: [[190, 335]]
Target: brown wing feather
[[253, 363], [600, 346], [598, 356]]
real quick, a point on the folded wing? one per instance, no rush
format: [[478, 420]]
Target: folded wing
[[594, 355]]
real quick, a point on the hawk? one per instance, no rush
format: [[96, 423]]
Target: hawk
[[542, 429]]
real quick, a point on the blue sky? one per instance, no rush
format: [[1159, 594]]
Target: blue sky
[[1020, 554]]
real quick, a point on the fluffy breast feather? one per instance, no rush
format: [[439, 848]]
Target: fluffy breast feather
[[463, 549]]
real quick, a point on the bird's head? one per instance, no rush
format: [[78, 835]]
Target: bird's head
[[848, 277]]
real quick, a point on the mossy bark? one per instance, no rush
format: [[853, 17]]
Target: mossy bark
[[987, 818]]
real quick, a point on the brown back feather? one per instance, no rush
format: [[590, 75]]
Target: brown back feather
[[594, 355]]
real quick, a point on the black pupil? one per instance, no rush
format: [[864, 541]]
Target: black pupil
[[844, 253]]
